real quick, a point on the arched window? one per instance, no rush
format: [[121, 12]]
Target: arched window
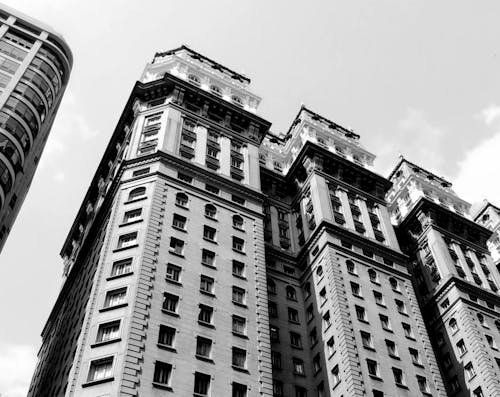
[[210, 211], [373, 276], [136, 193], [319, 271], [237, 100], [216, 90], [271, 286], [394, 284], [351, 267], [194, 79], [481, 320], [238, 222], [291, 293], [181, 199], [453, 325]]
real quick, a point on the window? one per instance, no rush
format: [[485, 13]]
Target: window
[[239, 390], [100, 369], [277, 388], [386, 324], [408, 331], [201, 384], [127, 240], [351, 267], [205, 314], [176, 246], [239, 325], [377, 393], [166, 336], [132, 215], [203, 347], [207, 284], [455, 384], [300, 392], [291, 293], [210, 211], [398, 376], [108, 331], [310, 312], [207, 257], [453, 325], [274, 333], [322, 296], [321, 390], [194, 79], [184, 177], [181, 199], [392, 349], [238, 244], [293, 315], [173, 272], [394, 284], [236, 163], [401, 306], [121, 267], [239, 357], [216, 90], [238, 222], [276, 360], [238, 199], [115, 298], [379, 298], [319, 271], [461, 347], [361, 313], [212, 152], [469, 371], [271, 286], [136, 193], [295, 340], [335, 375], [298, 366], [355, 289], [238, 268], [313, 337], [491, 342], [478, 392], [373, 368], [163, 372], [209, 233], [326, 320], [415, 356], [482, 321], [170, 302], [179, 222], [373, 276], [317, 363], [330, 344], [367, 339], [238, 295], [211, 189]]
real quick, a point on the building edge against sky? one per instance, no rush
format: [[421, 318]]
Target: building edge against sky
[[210, 257], [35, 64]]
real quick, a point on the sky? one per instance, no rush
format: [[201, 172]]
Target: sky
[[413, 77]]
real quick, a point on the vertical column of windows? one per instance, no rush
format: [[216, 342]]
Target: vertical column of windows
[[149, 136], [188, 139], [236, 161]]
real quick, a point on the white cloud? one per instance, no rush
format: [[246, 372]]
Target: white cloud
[[17, 363], [478, 172]]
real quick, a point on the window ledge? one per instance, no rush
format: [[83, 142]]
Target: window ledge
[[239, 335], [363, 321], [106, 342], [369, 348], [166, 347], [294, 322], [105, 309], [388, 330], [302, 375], [375, 377], [240, 277], [98, 382], [136, 200], [130, 223], [394, 357], [174, 314], [238, 251], [240, 369], [208, 325], [211, 218], [210, 241], [418, 365], [211, 294], [162, 386], [403, 314], [382, 305], [119, 276], [358, 296], [410, 338], [203, 358], [180, 229], [169, 280], [240, 304], [239, 229], [353, 274], [176, 253], [401, 386], [126, 248], [181, 206]]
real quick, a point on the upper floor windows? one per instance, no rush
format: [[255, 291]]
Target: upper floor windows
[[127, 240], [216, 90], [137, 193], [115, 297], [238, 222], [194, 79], [291, 293], [210, 211], [181, 199], [237, 100]]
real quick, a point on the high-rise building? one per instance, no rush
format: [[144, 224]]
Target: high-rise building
[[488, 215], [212, 258], [454, 276], [35, 63]]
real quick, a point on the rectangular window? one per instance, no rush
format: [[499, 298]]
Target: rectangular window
[[211, 189], [355, 289], [361, 313], [295, 340], [367, 339], [335, 375], [207, 284], [163, 372], [392, 350], [238, 244], [176, 246], [100, 369], [239, 390], [201, 384], [121, 267], [239, 325], [173, 272], [298, 366], [379, 298], [203, 347], [273, 309], [386, 324], [310, 312], [276, 360], [238, 268], [317, 363], [422, 384], [166, 336], [238, 199], [277, 388], [401, 306], [293, 315], [313, 337], [115, 297], [274, 334], [212, 152], [205, 314], [207, 257], [127, 240], [170, 303], [108, 331], [132, 215], [239, 295], [209, 233], [179, 222], [398, 376], [469, 371], [330, 344], [408, 331], [326, 320], [415, 357], [373, 368], [239, 357]]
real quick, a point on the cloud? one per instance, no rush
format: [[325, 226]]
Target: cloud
[[478, 172], [17, 363]]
